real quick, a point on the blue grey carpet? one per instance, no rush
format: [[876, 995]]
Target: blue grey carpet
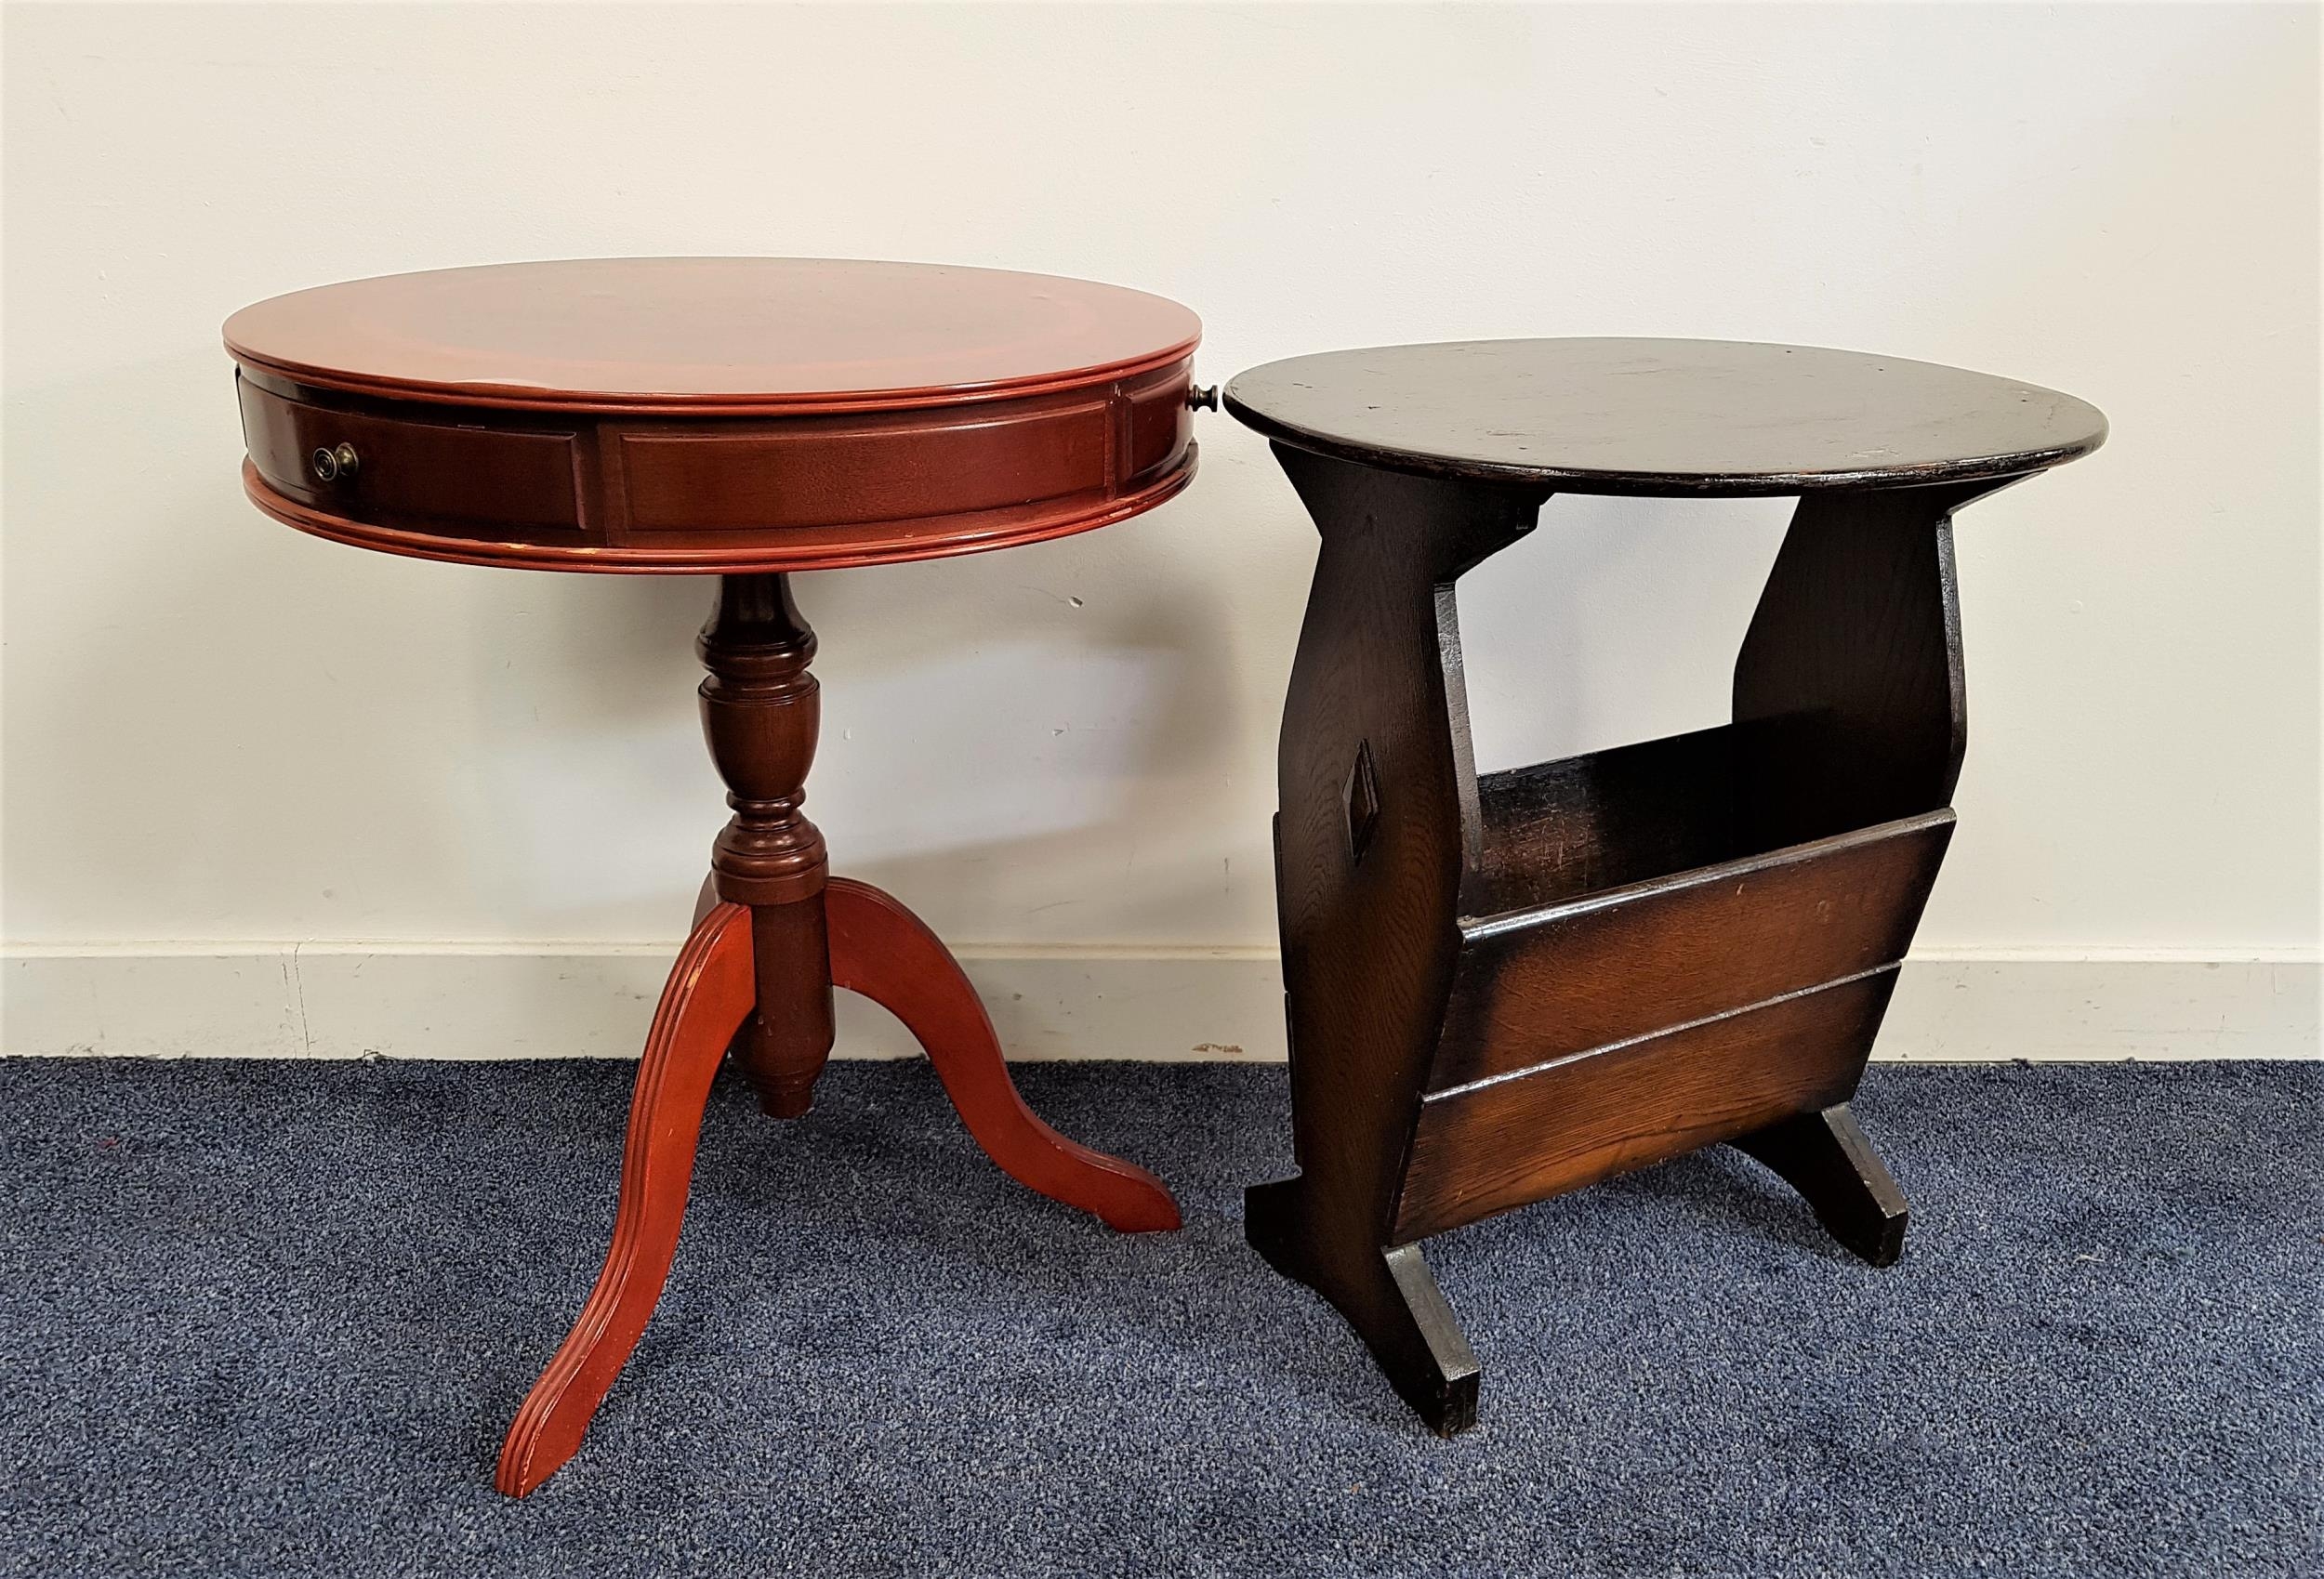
[[264, 1319]]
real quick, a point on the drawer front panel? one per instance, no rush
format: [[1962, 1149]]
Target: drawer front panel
[[431, 475], [1582, 975], [1159, 421], [749, 478], [1528, 1136]]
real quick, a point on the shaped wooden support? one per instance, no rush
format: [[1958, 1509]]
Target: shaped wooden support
[[1504, 986]]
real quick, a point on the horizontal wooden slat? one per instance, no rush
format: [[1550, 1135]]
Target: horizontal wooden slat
[[1562, 979], [1558, 830], [1486, 1148]]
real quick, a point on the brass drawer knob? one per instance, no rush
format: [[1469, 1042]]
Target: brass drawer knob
[[333, 464]]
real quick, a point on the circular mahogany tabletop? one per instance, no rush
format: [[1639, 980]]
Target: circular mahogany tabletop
[[1663, 416], [693, 333], [712, 413]]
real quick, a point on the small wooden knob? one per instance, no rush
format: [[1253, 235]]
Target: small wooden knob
[[333, 464], [1201, 398]]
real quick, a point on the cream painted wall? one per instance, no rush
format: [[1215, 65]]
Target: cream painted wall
[[218, 731]]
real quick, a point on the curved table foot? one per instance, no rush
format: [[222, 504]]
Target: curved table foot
[[882, 949], [1387, 1294], [709, 993], [1828, 1158]]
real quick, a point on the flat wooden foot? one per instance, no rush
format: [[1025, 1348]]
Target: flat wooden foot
[[1388, 1295], [708, 996], [882, 949], [1827, 1158]]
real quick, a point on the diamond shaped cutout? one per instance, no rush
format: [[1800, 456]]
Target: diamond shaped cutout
[[1360, 797]]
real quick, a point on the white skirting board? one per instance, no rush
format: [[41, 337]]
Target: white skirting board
[[418, 1002]]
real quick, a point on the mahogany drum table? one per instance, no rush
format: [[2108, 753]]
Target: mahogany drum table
[[744, 418], [1505, 986]]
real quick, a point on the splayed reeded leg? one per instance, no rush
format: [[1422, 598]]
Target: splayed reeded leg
[[708, 996], [882, 949]]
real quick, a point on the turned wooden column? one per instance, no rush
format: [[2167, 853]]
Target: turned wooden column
[[761, 712]]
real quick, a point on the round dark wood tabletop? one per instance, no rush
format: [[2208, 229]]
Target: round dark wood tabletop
[[1663, 416], [711, 414]]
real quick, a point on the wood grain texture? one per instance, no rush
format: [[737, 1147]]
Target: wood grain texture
[[1505, 986], [761, 479], [748, 417], [882, 949], [702, 335], [761, 711], [708, 994], [817, 549], [730, 416], [1483, 1148], [1539, 985], [629, 497], [1663, 416], [1850, 676], [454, 478], [1368, 945], [1583, 825], [1560, 831]]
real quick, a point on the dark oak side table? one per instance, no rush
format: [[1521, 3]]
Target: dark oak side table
[[742, 418], [1505, 986]]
